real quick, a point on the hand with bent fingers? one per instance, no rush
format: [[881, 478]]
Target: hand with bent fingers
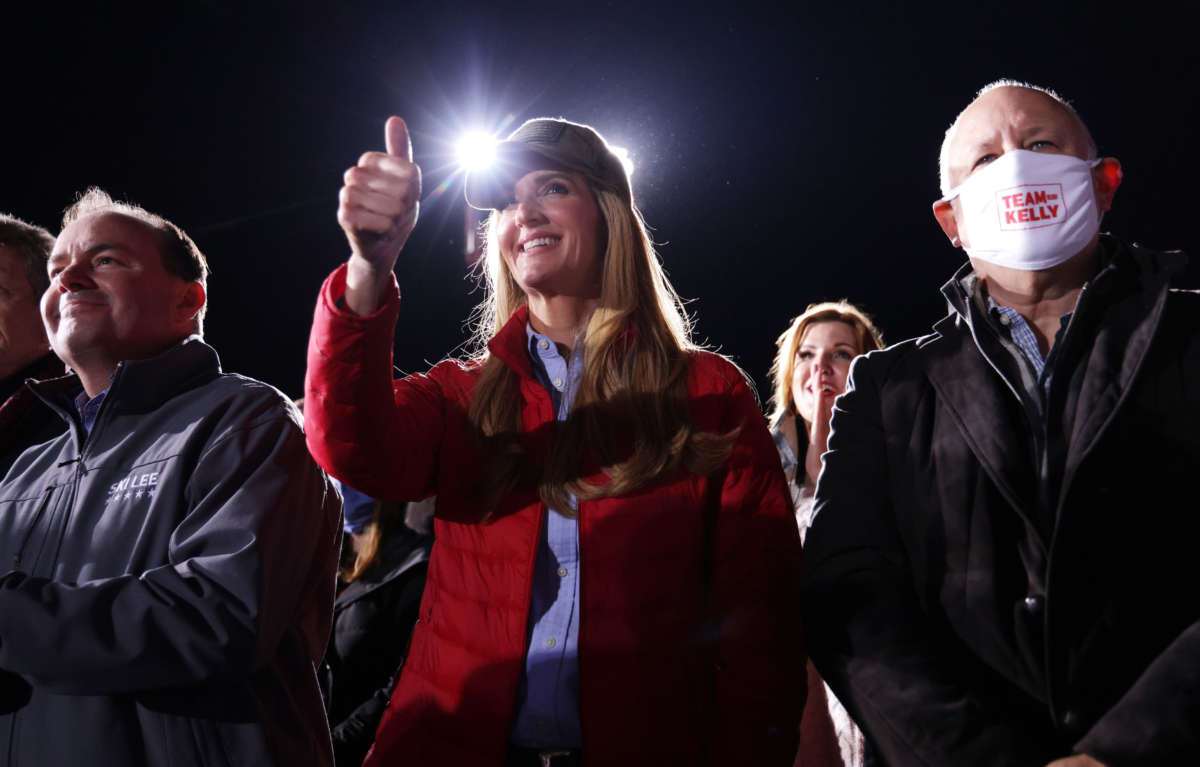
[[377, 209], [818, 437]]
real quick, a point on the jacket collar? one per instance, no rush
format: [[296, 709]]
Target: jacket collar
[[1121, 321], [1120, 312], [46, 366], [510, 343], [958, 297], [960, 291], [985, 412], [139, 386], [399, 554], [21, 412]]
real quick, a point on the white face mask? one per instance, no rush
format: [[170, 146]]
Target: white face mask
[[1029, 210]]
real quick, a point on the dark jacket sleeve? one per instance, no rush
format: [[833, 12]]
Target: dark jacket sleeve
[[253, 545], [353, 736], [377, 656], [760, 687], [1158, 720], [918, 694]]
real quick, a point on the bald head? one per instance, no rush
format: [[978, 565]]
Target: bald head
[[1004, 112]]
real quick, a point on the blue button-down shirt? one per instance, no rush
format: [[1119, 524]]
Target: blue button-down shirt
[[1022, 335], [548, 703], [89, 409]]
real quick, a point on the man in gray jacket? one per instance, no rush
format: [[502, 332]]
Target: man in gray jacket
[[171, 556]]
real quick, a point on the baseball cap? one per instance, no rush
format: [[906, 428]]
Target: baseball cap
[[546, 142]]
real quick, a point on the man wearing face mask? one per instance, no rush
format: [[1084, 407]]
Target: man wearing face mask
[[1000, 568]]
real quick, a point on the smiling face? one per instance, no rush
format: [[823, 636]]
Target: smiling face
[[551, 234], [822, 364], [110, 296]]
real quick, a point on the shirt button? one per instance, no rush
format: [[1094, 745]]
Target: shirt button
[[551, 642], [557, 383], [543, 345], [1033, 604], [562, 572]]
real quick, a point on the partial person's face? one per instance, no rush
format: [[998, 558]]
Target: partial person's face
[[22, 337], [550, 235], [1009, 118], [822, 364], [110, 296]]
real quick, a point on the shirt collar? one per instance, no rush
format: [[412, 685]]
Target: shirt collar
[[89, 408], [965, 285]]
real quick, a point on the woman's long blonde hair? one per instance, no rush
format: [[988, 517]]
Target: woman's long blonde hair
[[783, 404], [630, 414]]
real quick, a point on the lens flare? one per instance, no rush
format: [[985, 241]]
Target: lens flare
[[475, 150]]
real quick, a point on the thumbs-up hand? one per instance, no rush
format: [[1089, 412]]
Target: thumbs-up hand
[[377, 207]]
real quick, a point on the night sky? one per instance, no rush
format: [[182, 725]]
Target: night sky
[[782, 156]]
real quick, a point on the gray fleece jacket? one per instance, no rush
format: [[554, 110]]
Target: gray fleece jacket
[[169, 577]]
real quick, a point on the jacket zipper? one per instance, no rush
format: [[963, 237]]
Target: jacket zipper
[[81, 468]]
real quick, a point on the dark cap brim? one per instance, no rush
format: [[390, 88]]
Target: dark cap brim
[[491, 188]]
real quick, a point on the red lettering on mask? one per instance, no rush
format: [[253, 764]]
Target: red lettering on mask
[[1028, 206]]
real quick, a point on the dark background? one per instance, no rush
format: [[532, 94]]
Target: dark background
[[783, 155]]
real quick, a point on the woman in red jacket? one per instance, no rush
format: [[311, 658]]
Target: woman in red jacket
[[613, 579]]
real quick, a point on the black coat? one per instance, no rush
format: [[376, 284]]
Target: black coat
[[373, 619], [973, 605], [24, 419]]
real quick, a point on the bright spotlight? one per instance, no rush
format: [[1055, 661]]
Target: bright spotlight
[[476, 150], [623, 155]]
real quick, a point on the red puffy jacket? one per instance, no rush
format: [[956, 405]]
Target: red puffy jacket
[[689, 647]]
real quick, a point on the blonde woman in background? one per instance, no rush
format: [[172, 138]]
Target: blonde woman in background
[[812, 362], [811, 366]]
